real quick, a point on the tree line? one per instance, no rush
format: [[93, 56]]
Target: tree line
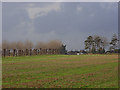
[[97, 44], [93, 44], [53, 44], [26, 48]]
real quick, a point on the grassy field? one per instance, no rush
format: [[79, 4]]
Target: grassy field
[[60, 71]]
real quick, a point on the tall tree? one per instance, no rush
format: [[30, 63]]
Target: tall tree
[[97, 41], [89, 43], [100, 43], [114, 43], [104, 42], [95, 44]]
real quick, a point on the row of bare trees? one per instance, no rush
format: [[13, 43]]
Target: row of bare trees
[[54, 44], [28, 48], [29, 52]]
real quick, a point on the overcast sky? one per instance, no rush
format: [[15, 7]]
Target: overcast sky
[[0, 24], [69, 22]]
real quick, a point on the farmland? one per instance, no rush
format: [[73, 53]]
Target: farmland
[[60, 71]]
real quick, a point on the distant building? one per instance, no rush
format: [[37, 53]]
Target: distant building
[[73, 53], [78, 53], [83, 52]]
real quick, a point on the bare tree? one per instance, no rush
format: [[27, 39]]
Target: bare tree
[[20, 45], [41, 45], [55, 44], [13, 45], [5, 44], [28, 44]]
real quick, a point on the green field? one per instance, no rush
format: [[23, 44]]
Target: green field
[[60, 71]]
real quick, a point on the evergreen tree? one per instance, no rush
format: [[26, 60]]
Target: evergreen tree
[[63, 49], [113, 43]]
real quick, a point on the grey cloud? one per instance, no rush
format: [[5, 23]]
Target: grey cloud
[[70, 24]]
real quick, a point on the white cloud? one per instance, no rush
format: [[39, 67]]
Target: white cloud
[[31, 5], [26, 31], [79, 9], [35, 11]]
